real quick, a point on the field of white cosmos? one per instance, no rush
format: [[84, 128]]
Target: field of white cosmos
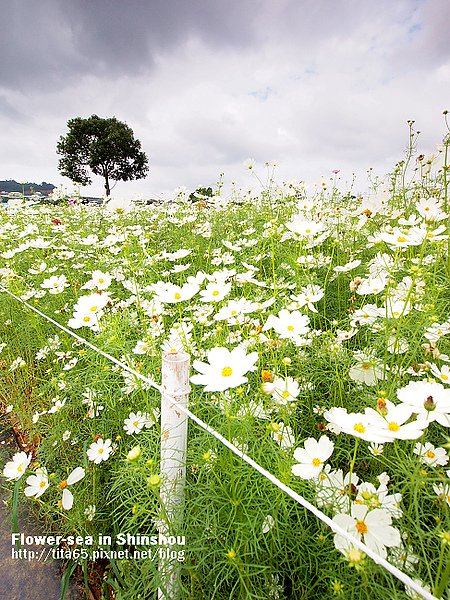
[[318, 324]]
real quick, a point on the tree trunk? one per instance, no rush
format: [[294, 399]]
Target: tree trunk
[[107, 188]]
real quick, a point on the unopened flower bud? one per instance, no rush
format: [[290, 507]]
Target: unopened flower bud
[[429, 404], [266, 375], [381, 406], [134, 453], [154, 480]]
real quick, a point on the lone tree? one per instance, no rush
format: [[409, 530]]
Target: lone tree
[[105, 146]]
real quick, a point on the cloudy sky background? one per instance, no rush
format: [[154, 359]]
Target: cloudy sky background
[[316, 85]]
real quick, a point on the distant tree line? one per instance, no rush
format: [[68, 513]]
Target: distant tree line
[[10, 185]]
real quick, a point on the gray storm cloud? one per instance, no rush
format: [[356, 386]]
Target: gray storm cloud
[[53, 41]]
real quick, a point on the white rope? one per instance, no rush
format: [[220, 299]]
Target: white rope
[[405, 579]]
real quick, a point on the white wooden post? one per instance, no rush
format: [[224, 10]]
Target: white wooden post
[[174, 423]]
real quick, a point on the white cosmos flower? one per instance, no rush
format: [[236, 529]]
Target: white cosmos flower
[[99, 451], [225, 369], [430, 455], [143, 347], [394, 422], [284, 390], [283, 435], [401, 238], [379, 497], [91, 304], [18, 362], [347, 267], [334, 489], [442, 490], [308, 296], [169, 293], [376, 449], [371, 285], [40, 268], [304, 228], [57, 405], [137, 421], [397, 345], [55, 284], [268, 523], [436, 331], [311, 458], [430, 400], [235, 308], [373, 527], [215, 291], [442, 373], [37, 483], [67, 497], [99, 281], [82, 319], [367, 315], [368, 369], [249, 163], [395, 308], [15, 468], [356, 424], [288, 325], [430, 209]]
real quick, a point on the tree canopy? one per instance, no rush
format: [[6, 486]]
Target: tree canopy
[[105, 146]]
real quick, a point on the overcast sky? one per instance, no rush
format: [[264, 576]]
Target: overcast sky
[[316, 85]]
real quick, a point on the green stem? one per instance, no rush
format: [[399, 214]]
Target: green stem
[[440, 586], [352, 466]]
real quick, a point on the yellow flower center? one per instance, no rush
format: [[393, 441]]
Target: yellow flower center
[[177, 296], [290, 328], [227, 371], [401, 239], [444, 377], [285, 394], [215, 293], [63, 484], [42, 484], [359, 427], [86, 319], [100, 450], [393, 426], [366, 366], [316, 462], [361, 527], [430, 454], [93, 308]]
